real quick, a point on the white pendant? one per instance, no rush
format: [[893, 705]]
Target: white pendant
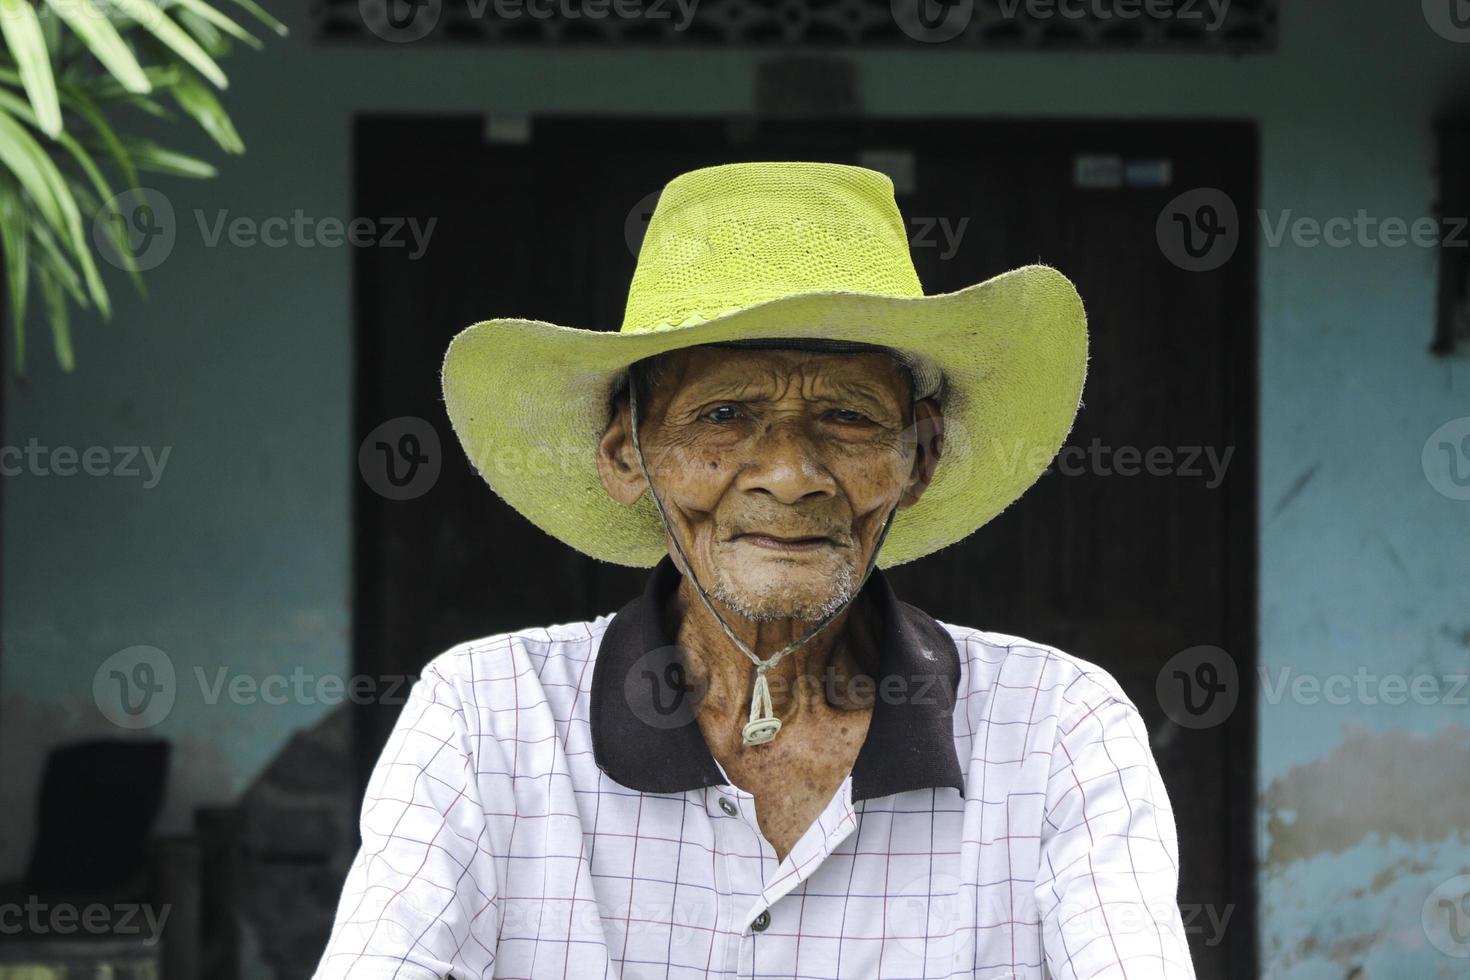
[[761, 731]]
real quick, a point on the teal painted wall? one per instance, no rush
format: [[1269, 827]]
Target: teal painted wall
[[239, 363]]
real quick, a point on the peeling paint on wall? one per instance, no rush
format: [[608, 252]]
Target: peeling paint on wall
[[1357, 845], [1383, 784]]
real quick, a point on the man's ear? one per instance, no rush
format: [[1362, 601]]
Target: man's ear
[[617, 463], [928, 447]]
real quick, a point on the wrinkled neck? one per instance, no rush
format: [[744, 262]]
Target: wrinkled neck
[[818, 671]]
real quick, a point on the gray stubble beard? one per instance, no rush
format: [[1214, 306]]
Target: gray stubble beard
[[759, 609]]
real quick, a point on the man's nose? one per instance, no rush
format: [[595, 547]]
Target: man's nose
[[787, 465]]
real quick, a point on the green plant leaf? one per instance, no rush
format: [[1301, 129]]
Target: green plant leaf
[[195, 98], [83, 106], [207, 12], [51, 256], [106, 88], [71, 66], [102, 198], [21, 109], [113, 147], [148, 155], [263, 16], [47, 186], [15, 242], [146, 104], [22, 31], [51, 31], [215, 44], [56, 313], [23, 157], [151, 17], [92, 25]]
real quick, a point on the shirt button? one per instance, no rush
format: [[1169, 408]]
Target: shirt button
[[727, 806], [761, 921]]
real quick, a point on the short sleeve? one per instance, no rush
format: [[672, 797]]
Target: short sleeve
[[1107, 887], [420, 899]]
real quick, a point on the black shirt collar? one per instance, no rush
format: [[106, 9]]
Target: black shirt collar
[[644, 734]]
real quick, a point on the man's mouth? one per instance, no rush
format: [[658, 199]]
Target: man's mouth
[[774, 542]]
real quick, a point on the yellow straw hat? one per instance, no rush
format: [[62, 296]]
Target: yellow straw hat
[[776, 251]]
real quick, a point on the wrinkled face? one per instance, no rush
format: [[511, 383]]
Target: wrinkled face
[[777, 469]]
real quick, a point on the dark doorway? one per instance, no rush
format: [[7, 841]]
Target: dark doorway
[[1124, 570]]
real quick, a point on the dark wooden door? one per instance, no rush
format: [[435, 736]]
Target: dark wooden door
[[1133, 549]]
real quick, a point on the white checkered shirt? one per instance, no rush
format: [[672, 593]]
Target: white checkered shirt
[[540, 812]]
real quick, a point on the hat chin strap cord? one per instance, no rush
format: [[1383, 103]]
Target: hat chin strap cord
[[763, 724]]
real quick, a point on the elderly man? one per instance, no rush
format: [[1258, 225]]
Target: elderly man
[[767, 765]]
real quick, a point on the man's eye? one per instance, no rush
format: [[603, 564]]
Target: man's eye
[[722, 413], [848, 415]]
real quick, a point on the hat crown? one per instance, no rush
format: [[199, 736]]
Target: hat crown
[[727, 237]]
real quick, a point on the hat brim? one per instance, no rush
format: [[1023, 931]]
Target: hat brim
[[529, 401]]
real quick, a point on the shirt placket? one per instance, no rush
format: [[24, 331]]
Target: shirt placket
[[743, 858], [756, 880]]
